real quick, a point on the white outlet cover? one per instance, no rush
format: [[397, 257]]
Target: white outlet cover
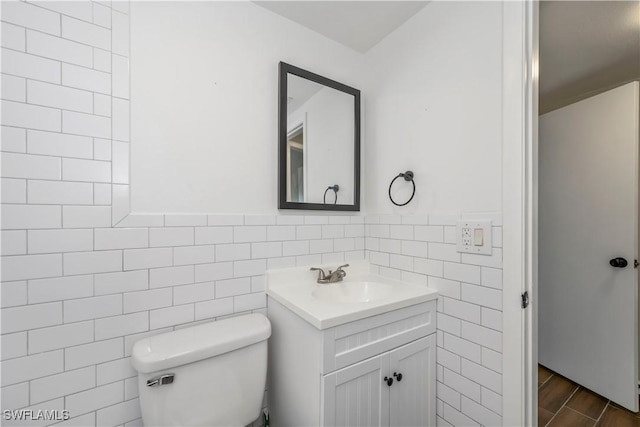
[[466, 233]]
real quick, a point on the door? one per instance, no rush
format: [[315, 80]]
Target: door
[[412, 394], [588, 191], [357, 395]]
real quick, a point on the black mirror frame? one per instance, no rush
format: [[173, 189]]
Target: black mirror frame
[[284, 70]]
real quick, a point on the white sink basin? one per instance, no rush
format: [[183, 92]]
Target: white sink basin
[[352, 292], [361, 294]]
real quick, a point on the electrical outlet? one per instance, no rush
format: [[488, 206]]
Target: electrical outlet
[[466, 236], [474, 237]]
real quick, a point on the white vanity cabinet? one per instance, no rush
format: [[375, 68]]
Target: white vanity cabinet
[[336, 376], [393, 388]]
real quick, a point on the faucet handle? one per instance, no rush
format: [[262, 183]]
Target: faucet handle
[[341, 273], [320, 271]]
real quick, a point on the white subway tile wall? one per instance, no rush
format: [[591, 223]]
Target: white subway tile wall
[[469, 323], [77, 292]]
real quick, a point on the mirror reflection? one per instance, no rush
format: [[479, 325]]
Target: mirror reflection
[[295, 164], [320, 137], [320, 125]]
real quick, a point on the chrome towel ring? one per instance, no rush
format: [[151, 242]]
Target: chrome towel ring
[[408, 176]]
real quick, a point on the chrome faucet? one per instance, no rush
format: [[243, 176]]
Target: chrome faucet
[[332, 276]]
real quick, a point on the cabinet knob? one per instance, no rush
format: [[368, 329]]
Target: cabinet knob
[[388, 380], [398, 376]]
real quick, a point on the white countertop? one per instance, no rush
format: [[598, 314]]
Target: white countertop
[[294, 287]]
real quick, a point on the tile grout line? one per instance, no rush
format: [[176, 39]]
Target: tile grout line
[[563, 405], [603, 411], [545, 381], [584, 415]]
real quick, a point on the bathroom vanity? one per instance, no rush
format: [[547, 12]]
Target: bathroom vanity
[[360, 352]]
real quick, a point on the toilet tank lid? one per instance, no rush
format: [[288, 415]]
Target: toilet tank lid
[[195, 343]]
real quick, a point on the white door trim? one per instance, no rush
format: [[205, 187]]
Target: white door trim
[[519, 205]]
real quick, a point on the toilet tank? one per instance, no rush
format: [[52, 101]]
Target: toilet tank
[[212, 374]]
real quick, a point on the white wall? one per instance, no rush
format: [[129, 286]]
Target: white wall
[[421, 249], [204, 79], [433, 106], [431, 98], [77, 293], [329, 128]]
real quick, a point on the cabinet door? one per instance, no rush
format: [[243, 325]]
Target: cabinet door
[[357, 395], [413, 398]]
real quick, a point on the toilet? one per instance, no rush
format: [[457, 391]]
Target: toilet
[[207, 375]]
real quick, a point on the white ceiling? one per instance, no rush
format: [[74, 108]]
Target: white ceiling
[[586, 47], [359, 25]]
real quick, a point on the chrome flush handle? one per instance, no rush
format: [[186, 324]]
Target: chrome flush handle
[[160, 380]]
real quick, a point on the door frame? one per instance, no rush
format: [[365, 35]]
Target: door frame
[[299, 125], [519, 210]]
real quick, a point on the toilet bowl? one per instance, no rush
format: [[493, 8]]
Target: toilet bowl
[[207, 375]]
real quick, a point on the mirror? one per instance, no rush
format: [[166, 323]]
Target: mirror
[[319, 142]]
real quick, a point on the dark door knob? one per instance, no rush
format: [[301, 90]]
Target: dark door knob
[[398, 376], [388, 380], [618, 262]]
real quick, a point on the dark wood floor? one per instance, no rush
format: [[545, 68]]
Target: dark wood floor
[[563, 403]]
